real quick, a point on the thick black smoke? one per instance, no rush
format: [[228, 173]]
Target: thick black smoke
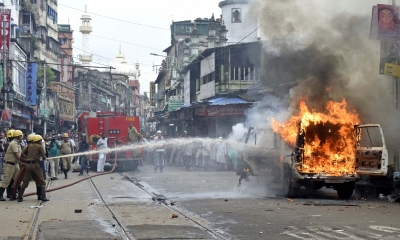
[[328, 57]]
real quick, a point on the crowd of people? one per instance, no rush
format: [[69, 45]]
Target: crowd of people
[[191, 153], [26, 154]]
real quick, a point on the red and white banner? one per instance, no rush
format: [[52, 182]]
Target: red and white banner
[[5, 17], [221, 111]]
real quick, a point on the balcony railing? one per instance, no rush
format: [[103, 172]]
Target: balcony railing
[[85, 29]]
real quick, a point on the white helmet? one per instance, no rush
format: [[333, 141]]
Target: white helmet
[[159, 131]]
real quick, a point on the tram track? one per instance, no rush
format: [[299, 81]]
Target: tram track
[[32, 225], [175, 209], [122, 230]]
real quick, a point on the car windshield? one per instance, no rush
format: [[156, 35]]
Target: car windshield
[[369, 137]]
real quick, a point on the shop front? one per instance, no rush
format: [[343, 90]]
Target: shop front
[[216, 120]]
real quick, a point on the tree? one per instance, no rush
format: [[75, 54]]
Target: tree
[[50, 76]]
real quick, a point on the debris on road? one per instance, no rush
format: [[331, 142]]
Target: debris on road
[[78, 210], [172, 203], [174, 216], [291, 200], [35, 206], [226, 200], [159, 197]]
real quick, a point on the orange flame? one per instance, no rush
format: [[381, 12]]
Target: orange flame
[[328, 138]]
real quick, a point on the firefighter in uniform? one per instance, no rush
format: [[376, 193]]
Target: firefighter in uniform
[[34, 151], [30, 140], [9, 136], [11, 159], [66, 148]]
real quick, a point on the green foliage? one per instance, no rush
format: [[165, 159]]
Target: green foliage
[[50, 76]]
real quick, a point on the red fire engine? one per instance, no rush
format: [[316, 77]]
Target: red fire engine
[[115, 125]]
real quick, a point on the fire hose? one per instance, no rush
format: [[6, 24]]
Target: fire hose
[[21, 173]]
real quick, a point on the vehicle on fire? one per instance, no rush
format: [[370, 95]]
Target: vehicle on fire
[[369, 158]]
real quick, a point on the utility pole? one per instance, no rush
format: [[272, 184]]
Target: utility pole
[[44, 100], [4, 63], [395, 82]]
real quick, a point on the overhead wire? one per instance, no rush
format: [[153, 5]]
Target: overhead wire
[[116, 19]]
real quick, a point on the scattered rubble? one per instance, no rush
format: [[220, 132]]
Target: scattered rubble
[[174, 216]]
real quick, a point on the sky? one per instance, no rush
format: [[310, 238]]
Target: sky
[[159, 14]]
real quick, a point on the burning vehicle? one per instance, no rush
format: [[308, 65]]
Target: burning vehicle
[[329, 149]]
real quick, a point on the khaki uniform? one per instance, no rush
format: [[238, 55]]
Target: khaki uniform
[[65, 150], [10, 165], [33, 151], [134, 136]]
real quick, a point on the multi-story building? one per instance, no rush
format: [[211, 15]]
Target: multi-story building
[[65, 37], [202, 64], [100, 91], [14, 101]]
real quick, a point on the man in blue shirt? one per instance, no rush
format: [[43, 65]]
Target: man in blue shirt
[[54, 151], [83, 147]]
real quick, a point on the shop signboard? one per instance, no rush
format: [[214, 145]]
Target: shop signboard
[[221, 111], [31, 83], [152, 92], [5, 16], [174, 105]]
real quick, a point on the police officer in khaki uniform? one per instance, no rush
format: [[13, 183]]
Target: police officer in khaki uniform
[[9, 136], [66, 148], [11, 159], [33, 152]]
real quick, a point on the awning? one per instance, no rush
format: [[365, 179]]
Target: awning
[[226, 101]]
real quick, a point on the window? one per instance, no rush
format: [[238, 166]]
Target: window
[[52, 14], [236, 15], [188, 29], [63, 41]]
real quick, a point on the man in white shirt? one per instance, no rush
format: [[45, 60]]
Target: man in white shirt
[[101, 144], [160, 150]]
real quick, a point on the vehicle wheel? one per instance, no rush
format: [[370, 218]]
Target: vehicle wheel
[[345, 191], [288, 189]]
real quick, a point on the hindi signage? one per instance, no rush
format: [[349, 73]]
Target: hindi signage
[[31, 81]]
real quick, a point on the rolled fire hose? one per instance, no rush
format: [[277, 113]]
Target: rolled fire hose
[[73, 183]]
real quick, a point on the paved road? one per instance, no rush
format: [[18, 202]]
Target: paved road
[[209, 205], [254, 212]]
